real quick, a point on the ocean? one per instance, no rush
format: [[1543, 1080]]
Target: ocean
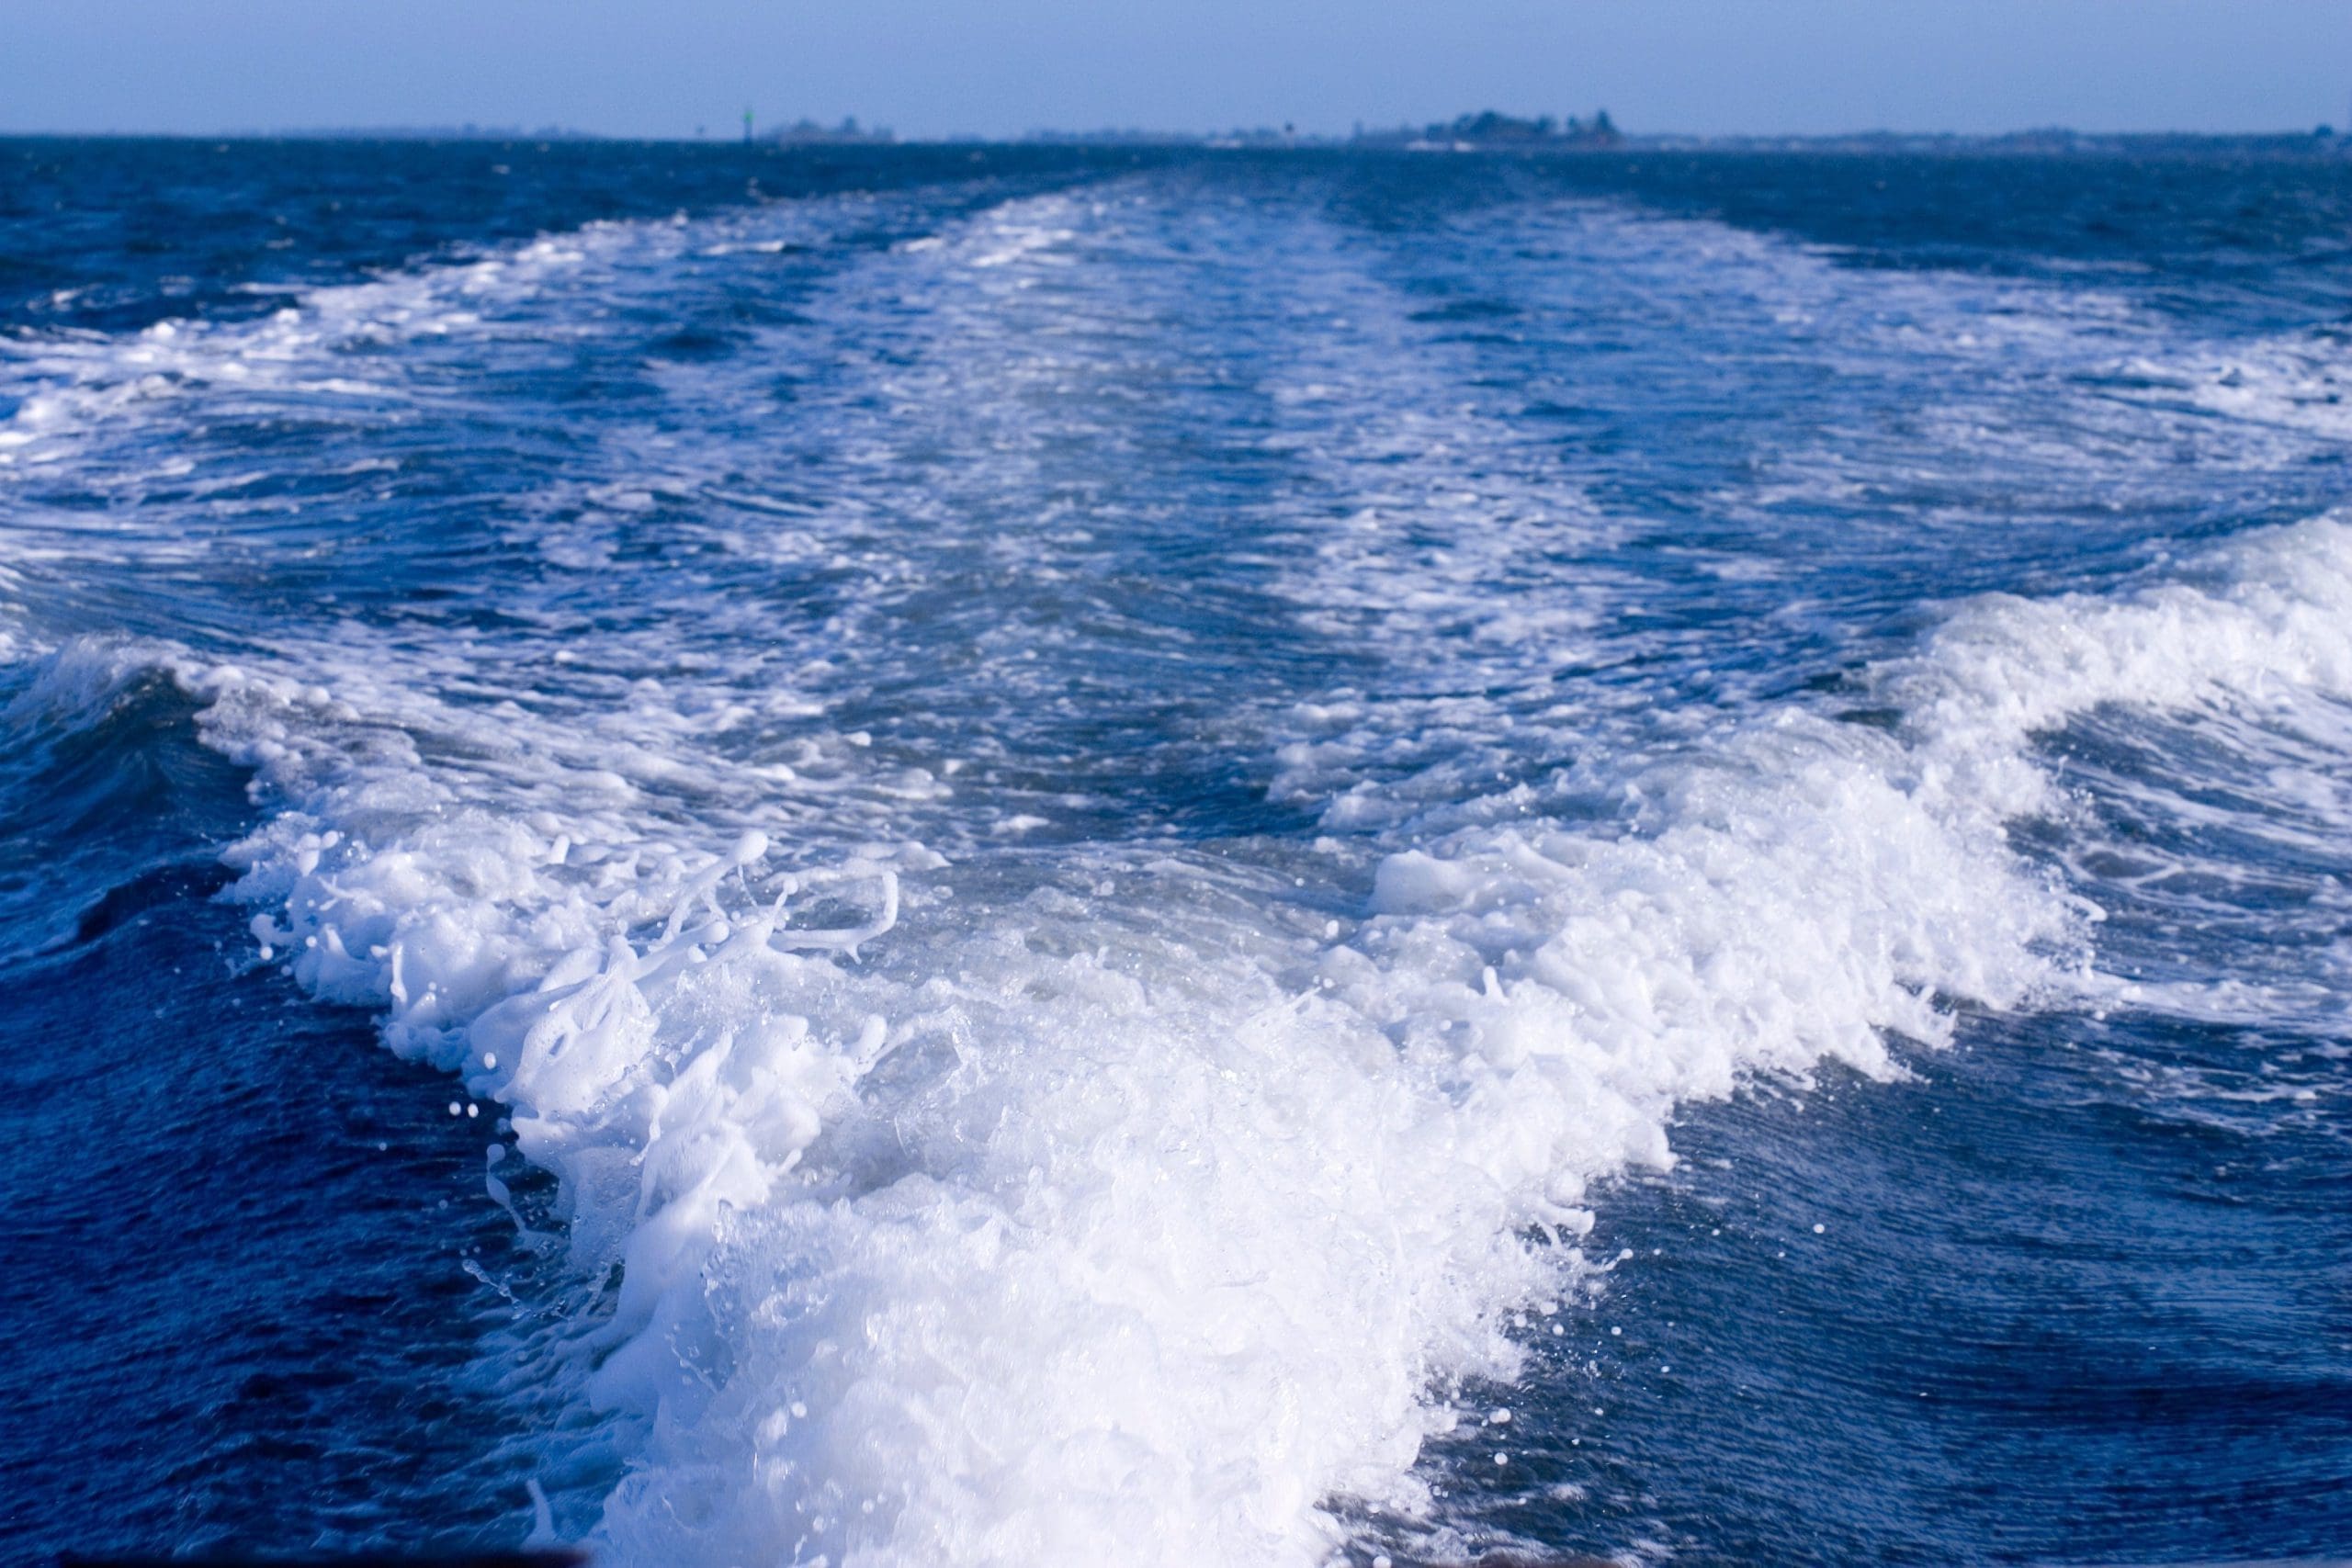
[[1012, 856]]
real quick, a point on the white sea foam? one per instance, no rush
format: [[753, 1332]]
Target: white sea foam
[[2295, 382], [2266, 616], [1125, 1227], [1130, 1227]]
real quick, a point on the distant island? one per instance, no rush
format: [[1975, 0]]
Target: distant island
[[807, 132], [1492, 131], [1489, 130]]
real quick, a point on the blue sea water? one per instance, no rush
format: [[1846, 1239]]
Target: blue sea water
[[1022, 855]]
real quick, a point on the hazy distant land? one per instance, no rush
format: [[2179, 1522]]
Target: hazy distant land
[[1486, 132]]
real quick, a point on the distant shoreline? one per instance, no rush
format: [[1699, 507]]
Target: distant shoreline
[[2053, 141]]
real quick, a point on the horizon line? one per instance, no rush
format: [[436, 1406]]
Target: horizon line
[[811, 134]]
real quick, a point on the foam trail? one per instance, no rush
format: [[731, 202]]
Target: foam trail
[[1117, 1203], [1515, 1021], [1143, 1254], [1139, 1252]]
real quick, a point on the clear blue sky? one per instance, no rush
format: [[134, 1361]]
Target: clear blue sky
[[927, 67]]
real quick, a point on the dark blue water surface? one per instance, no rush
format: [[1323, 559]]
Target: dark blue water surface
[[414, 557]]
